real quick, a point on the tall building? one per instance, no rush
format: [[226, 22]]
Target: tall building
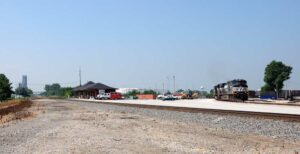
[[24, 81]]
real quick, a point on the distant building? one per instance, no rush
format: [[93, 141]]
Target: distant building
[[91, 89], [126, 90], [146, 96], [23, 84], [24, 81]]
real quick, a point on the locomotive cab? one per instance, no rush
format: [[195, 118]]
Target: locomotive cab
[[239, 89]]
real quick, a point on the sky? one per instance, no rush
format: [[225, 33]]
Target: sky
[[141, 43]]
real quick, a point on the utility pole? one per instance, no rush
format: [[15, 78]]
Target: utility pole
[[168, 83], [174, 82], [80, 76], [163, 84]]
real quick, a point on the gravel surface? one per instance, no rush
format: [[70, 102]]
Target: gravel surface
[[61, 126], [238, 124]]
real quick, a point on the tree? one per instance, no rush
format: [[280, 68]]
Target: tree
[[150, 92], [168, 92], [55, 86], [56, 90], [65, 92], [210, 94], [52, 90], [180, 91], [25, 92], [5, 88], [132, 93], [275, 74]]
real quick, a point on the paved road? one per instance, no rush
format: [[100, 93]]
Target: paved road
[[78, 127]]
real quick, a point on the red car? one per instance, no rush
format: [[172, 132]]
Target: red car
[[115, 96]]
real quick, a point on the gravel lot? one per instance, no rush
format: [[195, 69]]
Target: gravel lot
[[62, 126]]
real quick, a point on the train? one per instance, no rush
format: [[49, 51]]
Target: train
[[234, 90]]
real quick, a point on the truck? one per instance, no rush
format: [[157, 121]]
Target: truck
[[115, 96]]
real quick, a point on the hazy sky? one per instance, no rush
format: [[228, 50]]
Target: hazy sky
[[138, 43]]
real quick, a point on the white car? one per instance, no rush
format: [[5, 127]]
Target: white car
[[103, 96], [160, 97], [169, 98], [166, 97]]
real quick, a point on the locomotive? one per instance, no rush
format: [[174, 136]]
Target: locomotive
[[235, 90]]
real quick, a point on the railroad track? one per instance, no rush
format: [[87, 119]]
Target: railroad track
[[277, 116]]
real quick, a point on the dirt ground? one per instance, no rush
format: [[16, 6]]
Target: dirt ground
[[14, 110], [64, 127]]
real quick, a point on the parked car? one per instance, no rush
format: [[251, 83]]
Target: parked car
[[160, 97], [178, 96], [115, 96], [169, 98], [111, 96], [103, 96]]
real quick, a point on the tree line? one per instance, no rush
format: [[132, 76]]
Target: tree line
[[6, 90], [56, 90], [134, 93]]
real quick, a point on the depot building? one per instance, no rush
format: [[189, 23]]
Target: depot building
[[91, 89]]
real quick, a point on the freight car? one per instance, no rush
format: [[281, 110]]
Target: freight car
[[235, 90]]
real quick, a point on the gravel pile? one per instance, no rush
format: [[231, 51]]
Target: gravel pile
[[238, 124]]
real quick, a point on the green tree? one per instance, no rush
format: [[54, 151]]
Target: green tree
[[25, 92], [150, 92], [275, 74], [132, 93], [52, 90], [56, 90], [168, 92], [5, 88], [180, 91], [65, 92], [210, 94]]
